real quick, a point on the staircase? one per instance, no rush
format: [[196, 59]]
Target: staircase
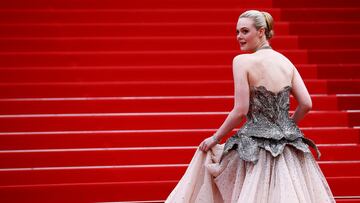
[[106, 101]]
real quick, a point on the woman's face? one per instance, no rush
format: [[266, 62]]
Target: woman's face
[[247, 35]]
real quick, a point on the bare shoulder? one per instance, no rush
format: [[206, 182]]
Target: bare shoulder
[[244, 57], [285, 58], [244, 61]]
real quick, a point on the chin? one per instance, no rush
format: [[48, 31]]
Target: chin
[[245, 49]]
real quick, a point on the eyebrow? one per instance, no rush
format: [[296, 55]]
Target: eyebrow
[[242, 28]]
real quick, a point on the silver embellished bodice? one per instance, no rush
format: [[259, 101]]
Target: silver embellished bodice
[[268, 126]]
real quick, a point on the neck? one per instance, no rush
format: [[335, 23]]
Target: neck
[[263, 46]]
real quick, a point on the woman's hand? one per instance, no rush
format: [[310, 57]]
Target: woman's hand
[[208, 143]]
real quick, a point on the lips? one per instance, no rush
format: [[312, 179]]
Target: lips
[[242, 43]]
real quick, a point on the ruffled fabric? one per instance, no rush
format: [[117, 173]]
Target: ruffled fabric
[[292, 176], [249, 147], [268, 126]]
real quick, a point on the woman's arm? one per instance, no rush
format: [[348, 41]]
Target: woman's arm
[[302, 96], [241, 96], [241, 102]]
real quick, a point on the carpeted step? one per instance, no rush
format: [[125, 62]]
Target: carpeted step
[[152, 58], [136, 156], [169, 29], [168, 43], [329, 42], [316, 4], [154, 88], [126, 29], [121, 15], [329, 71], [141, 121], [323, 13], [183, 14], [155, 104], [135, 43], [128, 4], [127, 173], [324, 28], [349, 199], [172, 15], [158, 73], [136, 58], [149, 138], [321, 56]]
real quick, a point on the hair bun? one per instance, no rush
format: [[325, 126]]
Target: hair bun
[[269, 24]]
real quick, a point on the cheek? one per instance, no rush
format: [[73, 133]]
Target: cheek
[[247, 36], [250, 37]]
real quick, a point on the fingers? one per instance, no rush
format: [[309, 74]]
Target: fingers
[[203, 146], [208, 147]]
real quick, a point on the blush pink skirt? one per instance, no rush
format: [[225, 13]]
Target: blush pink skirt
[[291, 177]]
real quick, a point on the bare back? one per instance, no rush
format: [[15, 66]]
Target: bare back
[[274, 71], [270, 69]]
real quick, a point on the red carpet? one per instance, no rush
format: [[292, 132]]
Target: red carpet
[[107, 100]]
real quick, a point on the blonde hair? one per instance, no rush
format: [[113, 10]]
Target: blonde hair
[[261, 19]]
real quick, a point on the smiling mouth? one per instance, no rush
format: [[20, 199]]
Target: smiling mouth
[[242, 43]]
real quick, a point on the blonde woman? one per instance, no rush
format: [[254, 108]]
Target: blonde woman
[[268, 159]]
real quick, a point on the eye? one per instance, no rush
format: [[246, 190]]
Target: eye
[[245, 31]]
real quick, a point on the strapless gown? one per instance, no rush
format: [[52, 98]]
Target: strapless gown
[[267, 160]]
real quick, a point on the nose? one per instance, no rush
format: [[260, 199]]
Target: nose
[[238, 37]]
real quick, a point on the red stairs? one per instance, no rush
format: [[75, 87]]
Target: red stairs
[[107, 100]]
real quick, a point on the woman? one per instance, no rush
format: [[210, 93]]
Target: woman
[[268, 159]]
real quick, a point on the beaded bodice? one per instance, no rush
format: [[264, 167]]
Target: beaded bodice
[[268, 114], [267, 126]]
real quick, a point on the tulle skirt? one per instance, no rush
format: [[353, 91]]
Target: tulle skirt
[[291, 177]]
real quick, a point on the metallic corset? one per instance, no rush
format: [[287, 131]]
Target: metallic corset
[[268, 126]]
